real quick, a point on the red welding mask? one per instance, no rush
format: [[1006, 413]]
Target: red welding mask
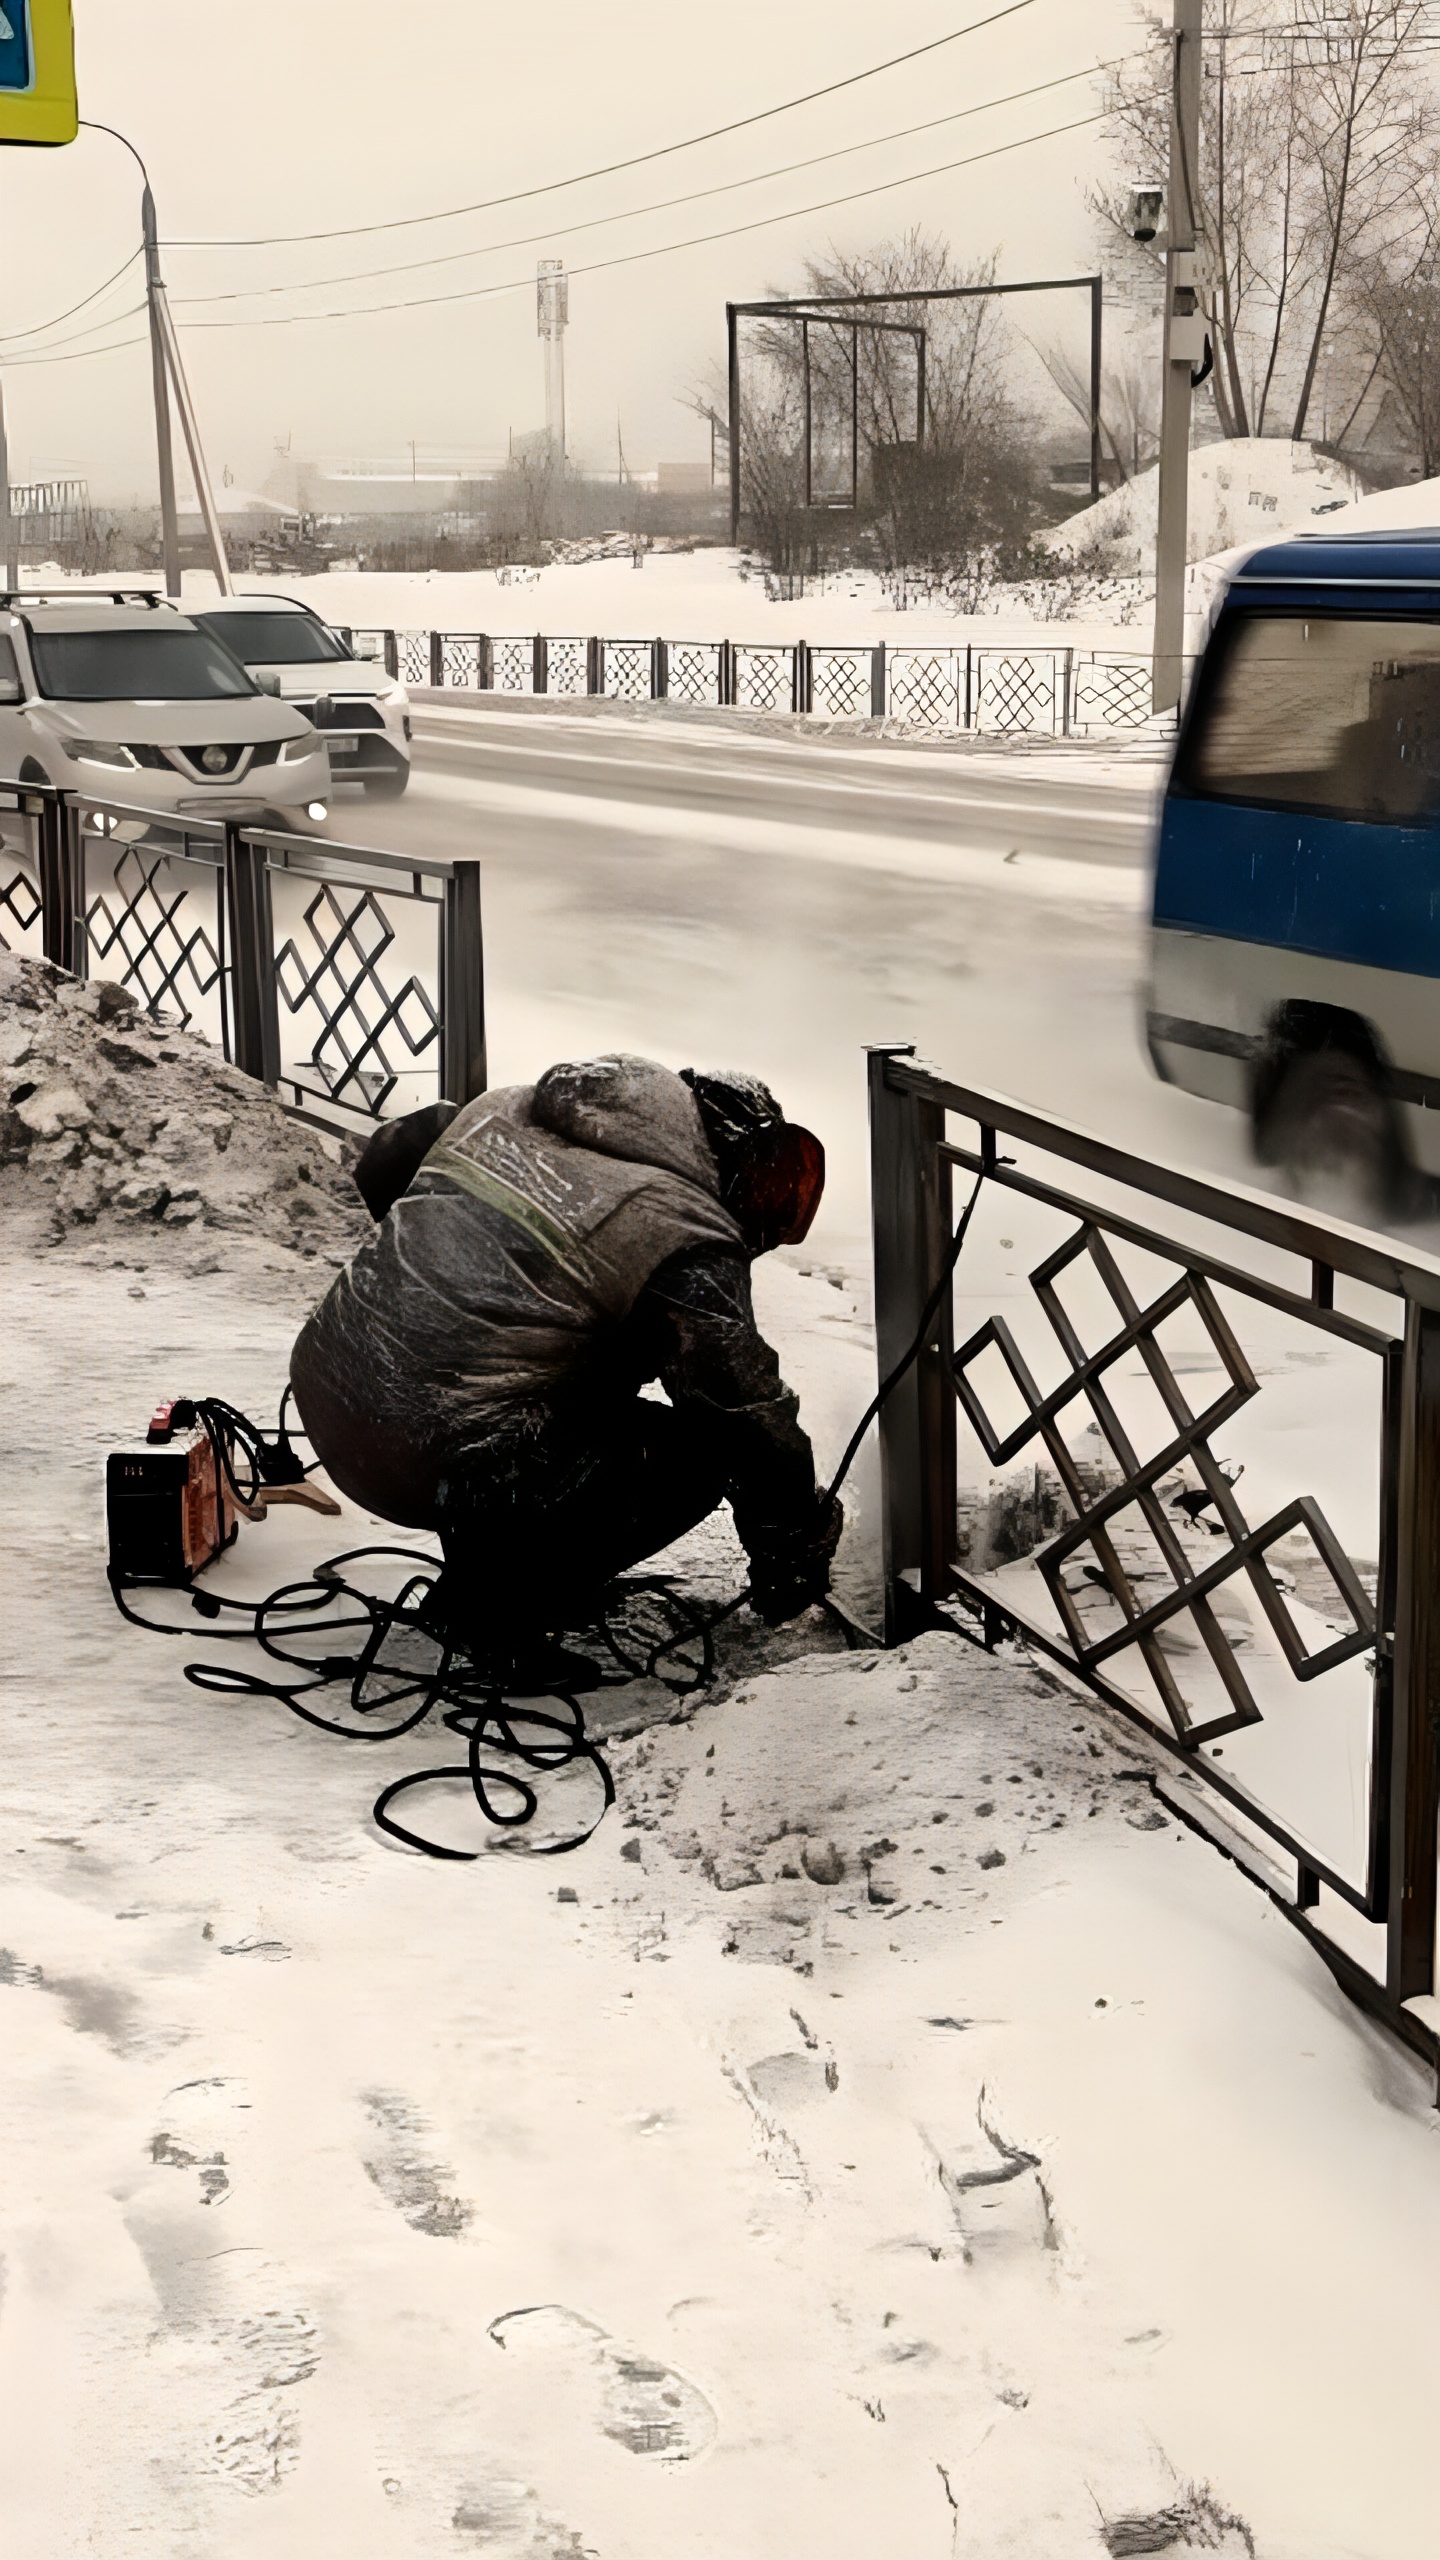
[[774, 1186]]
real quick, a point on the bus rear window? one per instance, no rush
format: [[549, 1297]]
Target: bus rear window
[[1336, 714]]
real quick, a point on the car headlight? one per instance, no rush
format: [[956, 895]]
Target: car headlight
[[100, 751], [295, 748], [393, 695]]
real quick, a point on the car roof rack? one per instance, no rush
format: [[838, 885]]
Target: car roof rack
[[14, 596]]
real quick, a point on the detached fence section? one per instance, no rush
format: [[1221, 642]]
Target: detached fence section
[[1062, 1459], [1019, 692], [349, 980]]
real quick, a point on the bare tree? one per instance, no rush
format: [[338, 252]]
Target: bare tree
[[1405, 311], [1317, 131], [935, 512], [1129, 406]]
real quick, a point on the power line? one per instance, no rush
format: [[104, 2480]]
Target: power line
[[666, 248], [12, 337], [612, 168], [666, 204], [13, 363], [628, 258]]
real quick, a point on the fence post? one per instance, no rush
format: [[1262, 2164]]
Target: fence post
[[909, 1199], [254, 1012], [62, 884], [594, 666], [462, 987], [877, 681], [659, 671], [1069, 679], [437, 658], [969, 685], [802, 682], [725, 676], [1415, 1759], [540, 665], [390, 645], [484, 662]]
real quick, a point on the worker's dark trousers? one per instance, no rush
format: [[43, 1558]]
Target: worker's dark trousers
[[534, 1525]]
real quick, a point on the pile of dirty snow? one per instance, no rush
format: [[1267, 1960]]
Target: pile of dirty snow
[[116, 1122], [869, 1785], [1251, 489]]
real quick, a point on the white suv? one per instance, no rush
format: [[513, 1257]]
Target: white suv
[[362, 714], [126, 696]]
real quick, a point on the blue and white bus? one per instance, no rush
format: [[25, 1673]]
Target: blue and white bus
[[1296, 949]]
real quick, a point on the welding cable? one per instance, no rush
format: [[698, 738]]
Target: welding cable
[[535, 1740], [888, 1385]]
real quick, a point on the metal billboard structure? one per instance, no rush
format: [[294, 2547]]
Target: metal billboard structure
[[809, 311]]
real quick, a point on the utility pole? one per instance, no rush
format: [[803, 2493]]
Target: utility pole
[[9, 523], [552, 310], [167, 373], [169, 521], [1184, 349], [209, 513]]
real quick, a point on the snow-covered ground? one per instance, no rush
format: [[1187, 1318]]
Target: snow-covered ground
[[1246, 490], [894, 2130], [677, 595]]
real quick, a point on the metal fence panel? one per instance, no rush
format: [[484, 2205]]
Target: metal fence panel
[[21, 904], [358, 972], [1019, 691], [764, 676], [152, 901], [460, 658], [513, 666], [929, 685], [1071, 1469], [629, 670], [413, 657], [567, 666], [1004, 692], [375, 959], [840, 682], [695, 671], [1109, 695]]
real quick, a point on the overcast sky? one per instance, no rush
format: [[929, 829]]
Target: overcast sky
[[259, 117]]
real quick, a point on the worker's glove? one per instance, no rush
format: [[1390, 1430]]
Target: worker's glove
[[794, 1571]]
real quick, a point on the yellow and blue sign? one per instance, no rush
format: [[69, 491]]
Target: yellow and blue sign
[[37, 72]]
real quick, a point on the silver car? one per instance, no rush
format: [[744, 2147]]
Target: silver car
[[126, 697], [361, 712]]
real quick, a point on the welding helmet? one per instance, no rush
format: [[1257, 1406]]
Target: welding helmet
[[772, 1172]]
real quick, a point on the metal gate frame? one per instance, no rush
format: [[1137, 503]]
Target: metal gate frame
[[912, 1164]]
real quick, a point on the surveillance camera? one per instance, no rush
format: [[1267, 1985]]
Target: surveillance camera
[[1146, 206]]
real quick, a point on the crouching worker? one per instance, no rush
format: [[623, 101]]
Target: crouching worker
[[541, 1255]]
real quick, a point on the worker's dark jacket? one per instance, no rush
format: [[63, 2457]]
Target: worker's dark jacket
[[562, 1243]]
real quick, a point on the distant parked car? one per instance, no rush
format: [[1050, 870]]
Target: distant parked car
[[123, 695], [362, 714], [1296, 947]]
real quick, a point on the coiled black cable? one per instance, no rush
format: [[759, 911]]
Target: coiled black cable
[[497, 1727]]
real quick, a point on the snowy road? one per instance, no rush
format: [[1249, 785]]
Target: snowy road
[[779, 900]]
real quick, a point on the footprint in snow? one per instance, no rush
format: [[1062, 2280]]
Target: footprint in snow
[[645, 2406], [400, 2166]]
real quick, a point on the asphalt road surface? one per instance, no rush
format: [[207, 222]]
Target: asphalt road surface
[[722, 895]]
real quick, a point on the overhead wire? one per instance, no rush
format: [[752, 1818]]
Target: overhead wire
[[635, 213], [13, 337], [613, 168], [663, 249], [668, 248]]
